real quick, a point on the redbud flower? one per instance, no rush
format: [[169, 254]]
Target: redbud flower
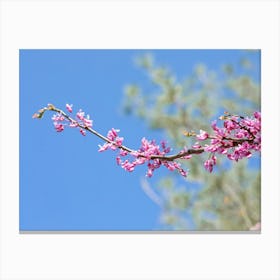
[[87, 122], [196, 145], [257, 115], [209, 164], [230, 125], [59, 127], [60, 121], [203, 135], [73, 124], [58, 117], [144, 154], [80, 115], [104, 147], [69, 108], [82, 132]]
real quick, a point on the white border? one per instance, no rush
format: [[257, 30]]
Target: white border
[[139, 24]]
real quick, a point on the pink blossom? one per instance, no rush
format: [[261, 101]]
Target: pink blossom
[[183, 172], [219, 132], [60, 121], [241, 134], [196, 145], [69, 108], [203, 135], [222, 150], [187, 157], [87, 122], [58, 117], [144, 154], [183, 151], [104, 147], [140, 160], [112, 134], [83, 132], [119, 141], [123, 153], [240, 152], [73, 124], [246, 129], [230, 125], [257, 116], [214, 125], [209, 164], [80, 115], [128, 166], [166, 149], [59, 127], [118, 159], [175, 165], [149, 173], [135, 153], [211, 148], [170, 166]]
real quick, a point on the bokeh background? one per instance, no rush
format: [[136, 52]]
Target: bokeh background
[[65, 184]]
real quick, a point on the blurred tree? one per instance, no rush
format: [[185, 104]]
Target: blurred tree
[[229, 198]]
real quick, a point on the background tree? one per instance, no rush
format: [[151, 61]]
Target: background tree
[[229, 198]]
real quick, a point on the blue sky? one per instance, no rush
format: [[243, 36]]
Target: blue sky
[[65, 184]]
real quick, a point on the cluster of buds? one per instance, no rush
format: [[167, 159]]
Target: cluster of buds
[[238, 138], [62, 120], [149, 153]]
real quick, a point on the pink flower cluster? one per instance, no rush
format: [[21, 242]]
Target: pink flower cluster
[[237, 138], [209, 163], [116, 141], [147, 153], [60, 120]]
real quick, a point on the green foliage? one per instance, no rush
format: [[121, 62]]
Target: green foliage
[[229, 198]]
